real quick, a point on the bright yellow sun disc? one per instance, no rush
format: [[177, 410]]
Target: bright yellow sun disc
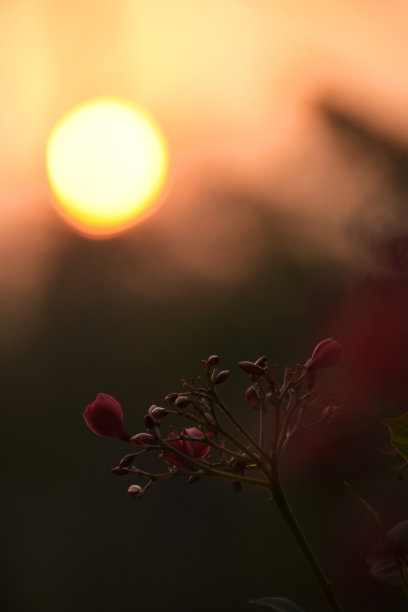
[[107, 164]]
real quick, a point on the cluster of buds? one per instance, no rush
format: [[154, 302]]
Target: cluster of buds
[[217, 444]]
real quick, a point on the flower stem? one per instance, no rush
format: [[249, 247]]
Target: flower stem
[[285, 510], [209, 470], [238, 425]]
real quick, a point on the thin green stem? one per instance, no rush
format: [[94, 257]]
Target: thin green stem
[[261, 423], [238, 425], [222, 429], [244, 479], [210, 471], [214, 444], [227, 435], [226, 450], [276, 432], [238, 444], [297, 532]]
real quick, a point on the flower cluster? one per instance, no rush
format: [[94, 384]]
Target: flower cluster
[[217, 444]]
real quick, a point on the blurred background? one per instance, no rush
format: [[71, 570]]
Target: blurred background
[[284, 222]]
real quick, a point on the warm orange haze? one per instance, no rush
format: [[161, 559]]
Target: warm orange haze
[[107, 163], [235, 88]]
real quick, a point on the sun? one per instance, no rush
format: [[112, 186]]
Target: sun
[[107, 164]]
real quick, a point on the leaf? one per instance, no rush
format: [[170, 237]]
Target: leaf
[[279, 604], [399, 434]]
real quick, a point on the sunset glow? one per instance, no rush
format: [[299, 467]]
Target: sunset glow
[[107, 164]]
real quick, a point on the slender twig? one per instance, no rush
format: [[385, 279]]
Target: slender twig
[[210, 442], [160, 475], [238, 425], [297, 532], [210, 471], [276, 431], [238, 444]]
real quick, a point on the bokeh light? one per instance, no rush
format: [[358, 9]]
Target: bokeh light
[[107, 165]]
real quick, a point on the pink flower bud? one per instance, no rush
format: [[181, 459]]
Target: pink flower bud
[[182, 401], [135, 491], [213, 360], [143, 439], [149, 422], [105, 417], [251, 368], [127, 460], [120, 471], [252, 398], [221, 377], [209, 418], [171, 397], [326, 354], [157, 412], [154, 416], [261, 362]]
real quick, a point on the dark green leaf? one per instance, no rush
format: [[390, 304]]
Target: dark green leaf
[[399, 434], [279, 604]]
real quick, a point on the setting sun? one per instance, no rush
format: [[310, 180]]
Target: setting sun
[[107, 165]]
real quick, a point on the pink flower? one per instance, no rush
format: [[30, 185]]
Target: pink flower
[[143, 439], [105, 417], [191, 448], [326, 354]]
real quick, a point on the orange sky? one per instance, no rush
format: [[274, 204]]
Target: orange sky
[[224, 72], [231, 82]]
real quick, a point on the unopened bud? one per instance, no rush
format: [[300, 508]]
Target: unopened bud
[[171, 397], [120, 471], [182, 401], [252, 398], [127, 460], [149, 421], [156, 413], [143, 439], [212, 361], [135, 491], [236, 486], [221, 377], [326, 354], [261, 362], [251, 368], [209, 418]]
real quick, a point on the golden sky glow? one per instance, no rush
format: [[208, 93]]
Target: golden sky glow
[[230, 82], [107, 163]]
